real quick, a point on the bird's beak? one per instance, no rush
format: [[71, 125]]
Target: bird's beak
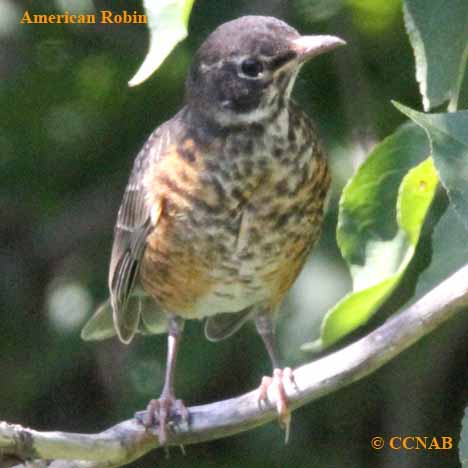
[[307, 47]]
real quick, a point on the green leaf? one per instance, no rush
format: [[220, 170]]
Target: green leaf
[[167, 22], [463, 445], [438, 32], [449, 252], [448, 134], [382, 210]]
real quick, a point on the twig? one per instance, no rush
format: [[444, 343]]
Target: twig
[[128, 440]]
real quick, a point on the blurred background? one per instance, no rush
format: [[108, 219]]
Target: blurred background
[[69, 130]]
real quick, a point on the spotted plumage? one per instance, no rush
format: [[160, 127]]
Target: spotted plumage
[[226, 199], [228, 230]]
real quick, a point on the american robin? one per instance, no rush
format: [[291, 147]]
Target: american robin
[[224, 202]]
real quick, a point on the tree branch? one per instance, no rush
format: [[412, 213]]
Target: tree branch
[[128, 440]]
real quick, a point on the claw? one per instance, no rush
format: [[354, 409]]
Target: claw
[[165, 412], [276, 386]]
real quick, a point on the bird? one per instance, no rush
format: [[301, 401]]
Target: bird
[[223, 204]]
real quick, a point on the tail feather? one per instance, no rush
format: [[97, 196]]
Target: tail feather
[[141, 315]]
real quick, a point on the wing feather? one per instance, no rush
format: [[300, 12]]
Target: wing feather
[[222, 326], [134, 224]]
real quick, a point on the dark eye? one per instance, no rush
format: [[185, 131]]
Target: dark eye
[[252, 67]]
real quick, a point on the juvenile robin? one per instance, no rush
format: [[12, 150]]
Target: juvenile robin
[[224, 202]]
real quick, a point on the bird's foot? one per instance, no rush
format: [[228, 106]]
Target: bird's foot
[[275, 386], [163, 413]]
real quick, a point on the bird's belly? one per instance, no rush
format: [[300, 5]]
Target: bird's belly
[[203, 272], [225, 266], [238, 234], [232, 294]]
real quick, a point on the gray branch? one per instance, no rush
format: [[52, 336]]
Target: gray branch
[[127, 441]]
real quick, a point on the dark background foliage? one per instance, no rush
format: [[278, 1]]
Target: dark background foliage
[[69, 129]]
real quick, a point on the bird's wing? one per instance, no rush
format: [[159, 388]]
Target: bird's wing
[[221, 326], [101, 325], [137, 217]]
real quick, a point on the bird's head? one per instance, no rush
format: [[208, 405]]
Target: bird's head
[[247, 67]]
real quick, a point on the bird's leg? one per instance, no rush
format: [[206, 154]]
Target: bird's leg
[[167, 407], [265, 328]]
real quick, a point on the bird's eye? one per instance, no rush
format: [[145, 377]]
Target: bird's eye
[[252, 68]]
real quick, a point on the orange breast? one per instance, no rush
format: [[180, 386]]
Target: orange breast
[[173, 269], [236, 224]]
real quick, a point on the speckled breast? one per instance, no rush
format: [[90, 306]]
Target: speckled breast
[[239, 216]]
